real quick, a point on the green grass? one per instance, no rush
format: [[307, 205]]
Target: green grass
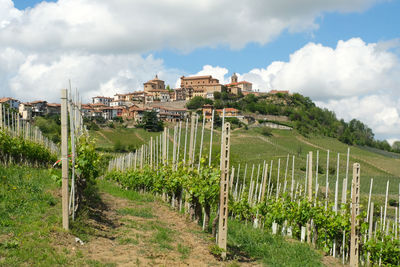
[[145, 212], [107, 137], [30, 220], [163, 236], [116, 191], [184, 251], [270, 249]]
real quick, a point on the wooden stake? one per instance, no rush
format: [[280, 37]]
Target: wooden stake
[[386, 200], [64, 156], [201, 142], [327, 181], [192, 122], [354, 249], [370, 225], [264, 183], [211, 137], [369, 197], [309, 193], [186, 133], [224, 188]]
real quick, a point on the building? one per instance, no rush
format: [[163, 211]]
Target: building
[[155, 84], [229, 112], [39, 108], [101, 100], [25, 111], [159, 95], [12, 103], [200, 86], [235, 87], [207, 111], [53, 108]]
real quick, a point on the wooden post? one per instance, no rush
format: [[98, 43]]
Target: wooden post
[[1, 116], [186, 132], [201, 142], [224, 187], [292, 186], [164, 146], [286, 169], [355, 200], [264, 183], [179, 142], [369, 198], [386, 201], [151, 152], [195, 141], [192, 122], [211, 137], [370, 224], [309, 177], [277, 179], [64, 156]]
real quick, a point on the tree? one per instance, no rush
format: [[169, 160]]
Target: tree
[[198, 102], [217, 95], [151, 123]]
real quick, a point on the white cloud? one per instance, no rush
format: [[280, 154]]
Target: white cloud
[[122, 26], [43, 75], [355, 79]]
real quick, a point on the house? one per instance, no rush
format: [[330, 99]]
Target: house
[[235, 87], [207, 111], [200, 85], [53, 108], [25, 111], [117, 103], [155, 84], [12, 103], [39, 108], [171, 114], [229, 112], [102, 100], [159, 95], [134, 113]]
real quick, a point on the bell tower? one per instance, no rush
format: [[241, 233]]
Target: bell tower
[[234, 78]]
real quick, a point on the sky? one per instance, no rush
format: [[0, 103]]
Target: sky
[[343, 54]]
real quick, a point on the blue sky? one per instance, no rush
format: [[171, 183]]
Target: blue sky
[[343, 54]]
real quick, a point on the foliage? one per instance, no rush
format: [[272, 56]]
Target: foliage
[[198, 102], [50, 126], [266, 131], [21, 150], [87, 169], [30, 219], [151, 123]]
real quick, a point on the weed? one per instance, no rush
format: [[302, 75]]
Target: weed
[[184, 250]]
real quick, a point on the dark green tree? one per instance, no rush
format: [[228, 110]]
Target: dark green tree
[[151, 122]]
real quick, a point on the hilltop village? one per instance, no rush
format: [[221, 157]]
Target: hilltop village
[[169, 104]]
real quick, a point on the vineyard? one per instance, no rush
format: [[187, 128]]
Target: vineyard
[[224, 184], [267, 195]]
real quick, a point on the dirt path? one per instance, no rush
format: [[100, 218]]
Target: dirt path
[[148, 234]]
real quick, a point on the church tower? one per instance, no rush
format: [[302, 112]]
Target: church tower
[[234, 78]]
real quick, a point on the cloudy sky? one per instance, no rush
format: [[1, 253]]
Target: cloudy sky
[[344, 54]]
